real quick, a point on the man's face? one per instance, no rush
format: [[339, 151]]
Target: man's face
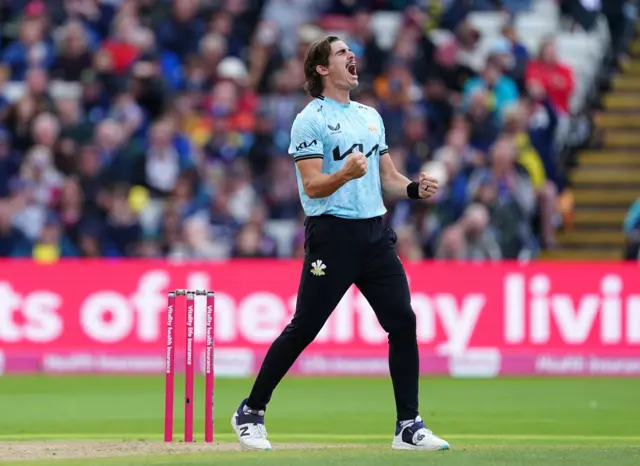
[[549, 53], [342, 67], [491, 74], [503, 157]]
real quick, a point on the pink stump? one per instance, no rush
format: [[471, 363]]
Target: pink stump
[[188, 395], [169, 372], [209, 369]]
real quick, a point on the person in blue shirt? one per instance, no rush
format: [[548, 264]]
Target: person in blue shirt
[[501, 89], [343, 168]]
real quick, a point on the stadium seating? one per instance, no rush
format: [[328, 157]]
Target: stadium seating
[[231, 126]]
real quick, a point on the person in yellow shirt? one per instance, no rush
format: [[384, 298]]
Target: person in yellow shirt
[[516, 127], [50, 246]]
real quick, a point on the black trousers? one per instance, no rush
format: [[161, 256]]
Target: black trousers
[[340, 253]]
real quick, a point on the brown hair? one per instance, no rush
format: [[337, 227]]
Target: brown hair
[[318, 54]]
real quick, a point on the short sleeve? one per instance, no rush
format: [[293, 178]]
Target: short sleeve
[[306, 140], [383, 147]]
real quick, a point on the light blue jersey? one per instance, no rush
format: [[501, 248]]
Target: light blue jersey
[[331, 131]]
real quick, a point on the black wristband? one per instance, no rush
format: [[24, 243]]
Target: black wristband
[[412, 190]]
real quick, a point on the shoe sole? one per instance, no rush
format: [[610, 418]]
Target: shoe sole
[[234, 426], [407, 446]]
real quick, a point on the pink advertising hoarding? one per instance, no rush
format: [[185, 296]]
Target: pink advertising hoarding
[[472, 319]]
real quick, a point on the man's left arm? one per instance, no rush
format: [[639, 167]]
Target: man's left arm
[[396, 185]]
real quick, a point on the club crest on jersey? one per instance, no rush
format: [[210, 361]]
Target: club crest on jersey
[[317, 268], [373, 128]]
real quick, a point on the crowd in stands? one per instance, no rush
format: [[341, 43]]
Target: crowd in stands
[[159, 128]]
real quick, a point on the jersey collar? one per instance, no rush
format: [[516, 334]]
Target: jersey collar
[[334, 102]]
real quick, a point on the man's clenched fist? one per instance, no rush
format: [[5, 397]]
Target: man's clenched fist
[[355, 166], [428, 186]]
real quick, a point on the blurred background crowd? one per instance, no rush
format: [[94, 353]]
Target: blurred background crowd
[[160, 128]]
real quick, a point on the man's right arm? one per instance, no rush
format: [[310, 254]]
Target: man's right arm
[[317, 184], [307, 150]]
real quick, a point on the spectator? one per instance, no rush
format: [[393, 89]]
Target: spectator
[[94, 96], [90, 177], [408, 244], [394, 91], [483, 120], [95, 15], [113, 151], [50, 245], [285, 101], [288, 17], [263, 146], [197, 242], [160, 169], [509, 197], [281, 193], [555, 77], [91, 243], [182, 32], [126, 111], [213, 48], [457, 139], [169, 134], [502, 90], [37, 85], [31, 50], [417, 140], [118, 53], [148, 86], [265, 57], [502, 51], [519, 56], [242, 195], [10, 236], [18, 121], [471, 238], [36, 190], [69, 208], [438, 108], [165, 64], [515, 126], [74, 131], [631, 228], [9, 163], [452, 200], [254, 228], [45, 131], [221, 25], [546, 192], [364, 45], [122, 223], [73, 52], [467, 47]]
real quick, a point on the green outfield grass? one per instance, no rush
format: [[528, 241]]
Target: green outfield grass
[[487, 422]]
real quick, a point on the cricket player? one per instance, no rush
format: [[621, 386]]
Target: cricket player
[[343, 168]]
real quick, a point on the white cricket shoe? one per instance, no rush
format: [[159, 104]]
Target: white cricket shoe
[[414, 435], [248, 425]]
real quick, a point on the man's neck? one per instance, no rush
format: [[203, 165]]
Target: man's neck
[[337, 95]]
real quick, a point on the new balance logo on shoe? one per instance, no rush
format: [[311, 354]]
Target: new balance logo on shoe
[[420, 438], [244, 430]]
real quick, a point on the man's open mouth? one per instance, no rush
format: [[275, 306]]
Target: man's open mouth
[[351, 68]]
